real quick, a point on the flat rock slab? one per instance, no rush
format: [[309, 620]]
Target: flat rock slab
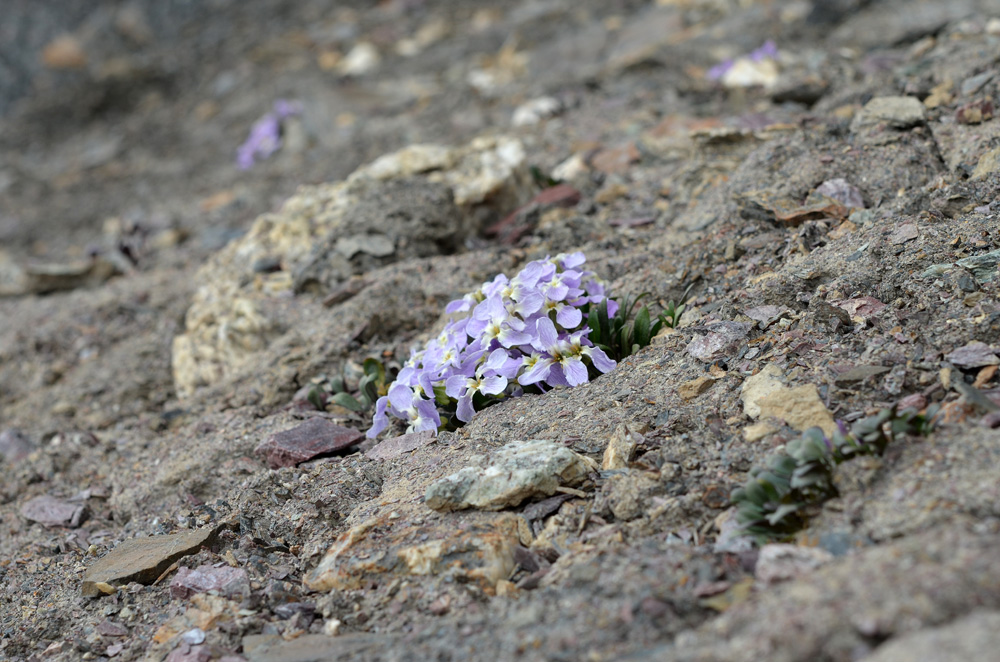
[[143, 560], [51, 511], [519, 471], [317, 436], [400, 445]]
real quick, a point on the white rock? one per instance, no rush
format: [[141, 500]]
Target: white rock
[[534, 111], [520, 470], [361, 59]]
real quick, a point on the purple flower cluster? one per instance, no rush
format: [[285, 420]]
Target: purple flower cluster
[[528, 330], [265, 136], [767, 51]]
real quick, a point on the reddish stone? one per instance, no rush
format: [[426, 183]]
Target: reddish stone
[[51, 511], [227, 581], [317, 436], [14, 446], [615, 160], [561, 195]]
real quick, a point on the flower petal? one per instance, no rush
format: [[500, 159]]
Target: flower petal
[[575, 370], [569, 317], [456, 386], [493, 385], [465, 410], [537, 372], [401, 396], [380, 421], [601, 360]]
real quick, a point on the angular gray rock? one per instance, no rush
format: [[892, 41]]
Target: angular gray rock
[[896, 112], [519, 471]]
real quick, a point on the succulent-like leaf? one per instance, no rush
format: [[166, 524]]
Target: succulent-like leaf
[[348, 401], [315, 397], [640, 327]]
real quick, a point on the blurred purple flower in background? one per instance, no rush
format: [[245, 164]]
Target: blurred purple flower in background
[[767, 50], [265, 135]]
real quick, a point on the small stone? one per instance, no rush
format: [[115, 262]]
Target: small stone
[[14, 446], [519, 471], [536, 110], [143, 560], [941, 95], [64, 52], [360, 60], [317, 436], [734, 251], [692, 389], [620, 448], [859, 373], [400, 445], [781, 562], [913, 401], [746, 72], [185, 652], [378, 245], [224, 580], [975, 354], [800, 407], [759, 430], [758, 386], [973, 84], [615, 160], [50, 511], [571, 169], [560, 195], [111, 629], [896, 112], [988, 163], [193, 637], [903, 234], [842, 192], [765, 315], [507, 589], [723, 339], [104, 588]]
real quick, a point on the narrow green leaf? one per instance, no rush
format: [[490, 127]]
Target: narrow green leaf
[[640, 328]]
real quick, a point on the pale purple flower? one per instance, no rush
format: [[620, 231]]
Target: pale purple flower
[[486, 381], [265, 135], [504, 336], [408, 405], [767, 50]]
